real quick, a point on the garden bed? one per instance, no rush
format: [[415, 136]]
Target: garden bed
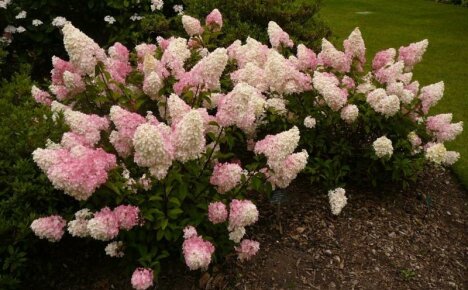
[[415, 241]]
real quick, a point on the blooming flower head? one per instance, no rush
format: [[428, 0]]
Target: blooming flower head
[[310, 122], [280, 145], [115, 249], [442, 128], [383, 147], [41, 96], [430, 95], [50, 228], [37, 22], [247, 249], [327, 85], [104, 225], [217, 212], [277, 36], [226, 176], [83, 51], [127, 215], [349, 113], [192, 25], [337, 200], [242, 213], [59, 21], [126, 124], [383, 58], [156, 5], [436, 152], [109, 19], [331, 57], [451, 157], [286, 170], [189, 139], [79, 226], [21, 15], [189, 232], [382, 103], [197, 252], [142, 278], [413, 53], [355, 48], [306, 57], [236, 234], [214, 19]]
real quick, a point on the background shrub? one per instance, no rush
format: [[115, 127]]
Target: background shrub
[[25, 193]]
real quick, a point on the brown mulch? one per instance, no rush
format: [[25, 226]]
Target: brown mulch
[[412, 239]]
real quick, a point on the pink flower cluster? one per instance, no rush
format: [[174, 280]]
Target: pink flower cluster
[[142, 278], [214, 19], [50, 228], [247, 249], [106, 224], [126, 124], [217, 212], [278, 37], [197, 252], [442, 128], [226, 176]]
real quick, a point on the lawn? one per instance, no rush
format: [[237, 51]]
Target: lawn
[[395, 23]]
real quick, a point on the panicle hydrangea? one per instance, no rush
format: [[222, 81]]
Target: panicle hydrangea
[[156, 5], [240, 107], [391, 73], [327, 85], [252, 51], [398, 88], [175, 55], [349, 113], [226, 176], [197, 252], [41, 96], [189, 139], [277, 36], [451, 157], [177, 108], [115, 249], [189, 232], [214, 19], [348, 82], [383, 147], [383, 58], [355, 48], [306, 58], [192, 25], [21, 15], [435, 152], [414, 139], [4, 3], [104, 226], [79, 226], [310, 122], [217, 212], [152, 84], [126, 124], [236, 234], [128, 216], [285, 171], [179, 9], [59, 21], [242, 213], [331, 57], [252, 75], [206, 73], [430, 95], [413, 53], [283, 77], [442, 129], [382, 103], [84, 53], [144, 49], [279, 146], [247, 249], [37, 22], [142, 278], [78, 171], [153, 148], [118, 64], [88, 126], [50, 228], [278, 105], [109, 19], [337, 199]]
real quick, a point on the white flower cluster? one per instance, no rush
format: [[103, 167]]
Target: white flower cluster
[[383, 147], [327, 86], [337, 199], [382, 103], [310, 122], [79, 226], [189, 139], [349, 113], [115, 249], [156, 5], [109, 19]]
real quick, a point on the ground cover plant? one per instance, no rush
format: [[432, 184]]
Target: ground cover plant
[[405, 22], [164, 142]]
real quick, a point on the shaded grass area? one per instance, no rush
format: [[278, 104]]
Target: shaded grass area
[[396, 23]]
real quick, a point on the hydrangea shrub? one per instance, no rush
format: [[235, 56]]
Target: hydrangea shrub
[[166, 140]]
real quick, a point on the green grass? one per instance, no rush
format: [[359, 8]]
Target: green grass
[[398, 22]]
